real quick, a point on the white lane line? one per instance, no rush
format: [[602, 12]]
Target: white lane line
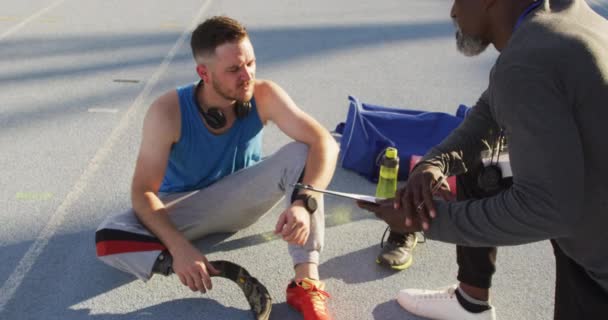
[[102, 110], [126, 80], [13, 282], [29, 19]]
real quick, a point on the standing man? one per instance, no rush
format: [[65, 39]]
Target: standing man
[[547, 97], [200, 171]]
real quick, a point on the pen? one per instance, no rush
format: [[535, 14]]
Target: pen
[[433, 190]]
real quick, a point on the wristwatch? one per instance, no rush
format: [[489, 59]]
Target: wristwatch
[[310, 203]]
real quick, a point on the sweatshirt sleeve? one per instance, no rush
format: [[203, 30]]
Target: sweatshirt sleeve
[[546, 160], [460, 150]]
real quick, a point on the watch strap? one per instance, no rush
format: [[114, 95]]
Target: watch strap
[[306, 198]]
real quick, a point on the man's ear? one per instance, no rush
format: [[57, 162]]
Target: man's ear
[[203, 72]]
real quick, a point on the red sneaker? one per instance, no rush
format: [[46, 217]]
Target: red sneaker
[[308, 298]]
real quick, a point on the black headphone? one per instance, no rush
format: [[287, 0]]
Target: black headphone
[[490, 179], [214, 117]]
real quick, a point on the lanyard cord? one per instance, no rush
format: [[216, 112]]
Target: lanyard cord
[[528, 10], [497, 149]]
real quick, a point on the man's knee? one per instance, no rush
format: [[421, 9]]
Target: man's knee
[[295, 149]]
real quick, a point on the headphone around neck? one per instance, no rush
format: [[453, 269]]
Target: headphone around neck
[[214, 117]]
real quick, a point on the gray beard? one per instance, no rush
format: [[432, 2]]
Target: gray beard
[[469, 45]]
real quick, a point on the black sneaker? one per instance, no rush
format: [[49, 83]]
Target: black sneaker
[[397, 251]]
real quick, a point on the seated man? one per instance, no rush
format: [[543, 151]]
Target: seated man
[[547, 98], [199, 171]]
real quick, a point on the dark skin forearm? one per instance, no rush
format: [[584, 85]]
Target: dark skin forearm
[[395, 218]]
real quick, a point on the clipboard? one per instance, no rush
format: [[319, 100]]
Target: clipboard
[[353, 196]]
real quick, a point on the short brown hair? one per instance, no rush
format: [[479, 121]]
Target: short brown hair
[[214, 32]]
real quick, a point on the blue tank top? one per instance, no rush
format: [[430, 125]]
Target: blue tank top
[[201, 158]]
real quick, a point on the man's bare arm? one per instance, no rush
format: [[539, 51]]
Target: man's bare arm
[[161, 130], [278, 107], [159, 133]]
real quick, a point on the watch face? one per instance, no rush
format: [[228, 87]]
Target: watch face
[[311, 204]]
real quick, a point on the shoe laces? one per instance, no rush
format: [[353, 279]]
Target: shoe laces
[[397, 239], [317, 296], [445, 293]]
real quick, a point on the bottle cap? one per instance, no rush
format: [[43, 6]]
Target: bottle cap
[[391, 153]]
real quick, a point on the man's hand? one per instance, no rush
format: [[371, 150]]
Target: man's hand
[[192, 268], [416, 197], [294, 224], [395, 218]]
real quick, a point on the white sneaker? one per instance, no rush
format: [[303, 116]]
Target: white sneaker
[[439, 305]]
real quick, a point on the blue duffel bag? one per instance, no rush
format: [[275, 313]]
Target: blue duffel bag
[[370, 129]]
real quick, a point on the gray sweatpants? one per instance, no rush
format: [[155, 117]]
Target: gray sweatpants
[[233, 203]]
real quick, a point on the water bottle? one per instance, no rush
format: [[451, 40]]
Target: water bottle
[[389, 169]]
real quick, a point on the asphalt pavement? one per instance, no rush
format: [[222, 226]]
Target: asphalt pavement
[[76, 80]]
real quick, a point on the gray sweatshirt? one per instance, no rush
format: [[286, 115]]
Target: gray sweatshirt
[[548, 91]]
